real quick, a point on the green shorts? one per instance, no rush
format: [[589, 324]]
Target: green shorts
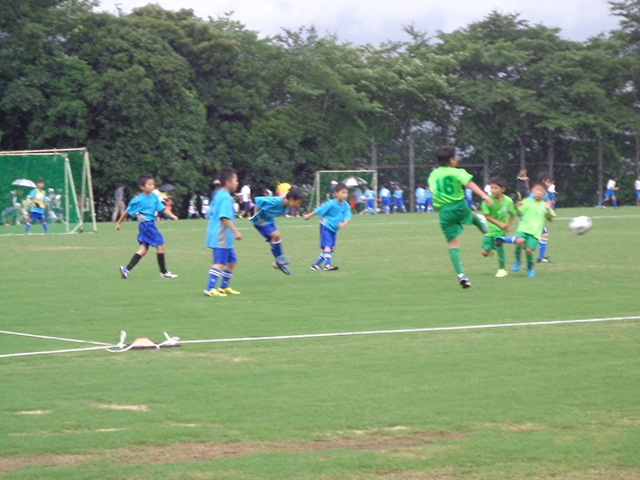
[[529, 240], [453, 217], [489, 243]]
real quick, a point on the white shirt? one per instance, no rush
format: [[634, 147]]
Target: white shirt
[[487, 189], [245, 192], [611, 184], [552, 188], [636, 184]]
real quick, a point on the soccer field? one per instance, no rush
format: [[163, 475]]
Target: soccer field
[[543, 401]]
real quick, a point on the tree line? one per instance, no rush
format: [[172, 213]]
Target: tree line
[[176, 96]]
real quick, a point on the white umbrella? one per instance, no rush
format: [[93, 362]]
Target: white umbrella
[[23, 182], [354, 181]]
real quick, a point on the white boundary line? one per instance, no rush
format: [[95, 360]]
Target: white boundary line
[[48, 352], [411, 330], [52, 338]]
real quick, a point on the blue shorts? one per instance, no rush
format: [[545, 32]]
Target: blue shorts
[[266, 230], [327, 238], [386, 201], [551, 196], [37, 217], [223, 256], [638, 193], [398, 202], [420, 204], [429, 202], [149, 235], [370, 202], [469, 201], [609, 193]]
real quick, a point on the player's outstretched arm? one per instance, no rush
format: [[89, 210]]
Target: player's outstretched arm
[[170, 215], [124, 215], [478, 191], [307, 216]]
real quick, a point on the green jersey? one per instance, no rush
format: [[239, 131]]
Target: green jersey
[[447, 185], [499, 211], [533, 216]]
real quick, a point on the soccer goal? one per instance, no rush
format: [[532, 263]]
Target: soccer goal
[[67, 185], [354, 179]]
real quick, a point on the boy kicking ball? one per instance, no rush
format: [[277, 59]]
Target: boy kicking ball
[[335, 214], [264, 222], [447, 182], [144, 208]]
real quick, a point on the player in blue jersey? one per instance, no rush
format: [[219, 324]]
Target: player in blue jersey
[[144, 207], [220, 236], [398, 199], [421, 199], [37, 200], [264, 222], [335, 214], [468, 198], [385, 199], [429, 196], [370, 200]]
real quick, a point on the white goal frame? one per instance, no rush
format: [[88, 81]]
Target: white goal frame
[[86, 203]]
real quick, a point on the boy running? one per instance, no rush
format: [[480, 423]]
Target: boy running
[[220, 236], [398, 200], [385, 199], [144, 207], [500, 216], [369, 197], [534, 211], [264, 221], [447, 184], [37, 200], [335, 214], [610, 193]]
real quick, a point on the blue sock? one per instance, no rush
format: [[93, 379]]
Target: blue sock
[[511, 239], [44, 225], [543, 248], [28, 227], [276, 249], [327, 259], [214, 273], [615, 204], [320, 259], [226, 278]]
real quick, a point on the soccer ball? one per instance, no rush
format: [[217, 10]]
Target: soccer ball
[[580, 225]]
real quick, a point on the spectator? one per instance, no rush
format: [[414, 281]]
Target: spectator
[[119, 205]]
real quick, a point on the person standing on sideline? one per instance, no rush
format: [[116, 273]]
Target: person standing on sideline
[[118, 203], [522, 185], [636, 185], [245, 195], [421, 199]]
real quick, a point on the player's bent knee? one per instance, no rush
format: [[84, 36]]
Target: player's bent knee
[[485, 253]]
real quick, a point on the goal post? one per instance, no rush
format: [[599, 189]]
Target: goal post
[[323, 178], [66, 173]]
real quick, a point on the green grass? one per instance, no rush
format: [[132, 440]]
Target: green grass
[[555, 401]]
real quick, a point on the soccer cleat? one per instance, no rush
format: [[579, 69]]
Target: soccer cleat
[[316, 267], [282, 267], [168, 275], [530, 273], [214, 292], [483, 222], [516, 266], [502, 273], [544, 260], [464, 281], [329, 268], [282, 260], [124, 272], [228, 291]]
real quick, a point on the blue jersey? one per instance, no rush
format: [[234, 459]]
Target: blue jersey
[[145, 207], [421, 195], [268, 209], [37, 200], [544, 199], [332, 213], [397, 193], [384, 193], [369, 194], [468, 193], [218, 235], [427, 193]]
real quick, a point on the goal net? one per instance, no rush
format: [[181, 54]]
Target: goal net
[[354, 179], [68, 199]]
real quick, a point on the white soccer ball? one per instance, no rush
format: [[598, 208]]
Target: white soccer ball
[[580, 225]]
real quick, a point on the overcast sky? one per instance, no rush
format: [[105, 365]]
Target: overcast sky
[[374, 21]]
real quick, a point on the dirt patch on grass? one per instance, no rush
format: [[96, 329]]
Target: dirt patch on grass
[[522, 427], [205, 452], [33, 412]]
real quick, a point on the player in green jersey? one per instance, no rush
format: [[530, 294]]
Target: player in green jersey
[[447, 184], [500, 216], [534, 212]]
